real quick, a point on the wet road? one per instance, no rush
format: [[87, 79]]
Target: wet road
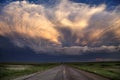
[[62, 73]]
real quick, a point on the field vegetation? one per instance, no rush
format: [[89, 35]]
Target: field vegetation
[[106, 69], [11, 71], [109, 70]]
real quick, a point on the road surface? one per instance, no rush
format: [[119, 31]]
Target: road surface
[[62, 73]]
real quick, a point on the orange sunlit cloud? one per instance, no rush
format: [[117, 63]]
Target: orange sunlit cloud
[[42, 27]]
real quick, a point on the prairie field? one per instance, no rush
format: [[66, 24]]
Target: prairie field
[[11, 71], [106, 69]]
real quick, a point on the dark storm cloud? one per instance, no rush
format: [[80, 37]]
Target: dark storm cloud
[[66, 28]]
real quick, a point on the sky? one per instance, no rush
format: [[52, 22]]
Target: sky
[[59, 30]]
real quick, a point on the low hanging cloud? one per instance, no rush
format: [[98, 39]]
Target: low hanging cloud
[[60, 27], [77, 50]]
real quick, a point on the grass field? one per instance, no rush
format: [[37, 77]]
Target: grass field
[[11, 71], [107, 69]]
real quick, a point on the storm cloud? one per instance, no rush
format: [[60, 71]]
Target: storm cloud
[[65, 28]]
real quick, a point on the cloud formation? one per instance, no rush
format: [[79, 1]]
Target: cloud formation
[[66, 24], [77, 50]]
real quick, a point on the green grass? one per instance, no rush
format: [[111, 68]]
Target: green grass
[[10, 74], [107, 69]]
